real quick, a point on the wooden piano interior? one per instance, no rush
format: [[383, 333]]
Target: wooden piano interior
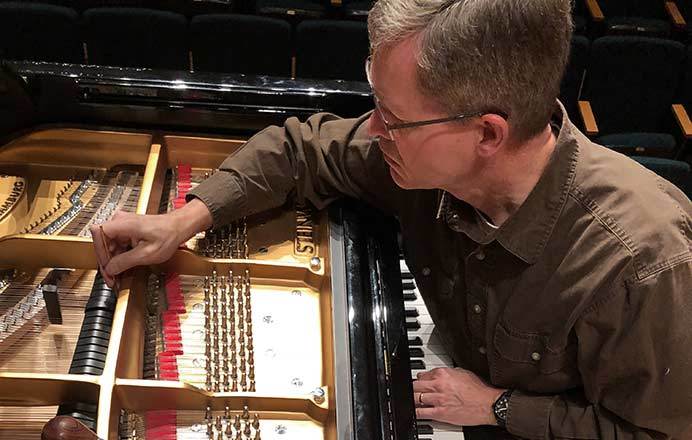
[[230, 338]]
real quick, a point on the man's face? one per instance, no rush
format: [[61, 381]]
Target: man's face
[[425, 157]]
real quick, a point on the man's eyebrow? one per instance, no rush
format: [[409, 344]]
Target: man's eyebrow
[[385, 106]]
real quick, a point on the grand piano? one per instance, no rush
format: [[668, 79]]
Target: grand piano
[[288, 324]]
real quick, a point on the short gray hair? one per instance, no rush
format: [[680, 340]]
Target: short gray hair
[[484, 55]]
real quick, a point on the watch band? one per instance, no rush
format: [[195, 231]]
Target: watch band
[[501, 408]]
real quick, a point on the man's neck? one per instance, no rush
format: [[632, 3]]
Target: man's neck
[[507, 180]]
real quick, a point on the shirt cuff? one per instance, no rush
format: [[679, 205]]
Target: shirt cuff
[[528, 415], [223, 196]]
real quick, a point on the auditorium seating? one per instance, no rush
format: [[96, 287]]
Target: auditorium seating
[[631, 83], [675, 171], [39, 32], [136, 37], [241, 44], [331, 49]]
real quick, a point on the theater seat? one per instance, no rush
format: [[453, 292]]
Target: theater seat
[[134, 37], [636, 17], [39, 32], [331, 49], [357, 8], [241, 44], [674, 171], [631, 85], [297, 8], [570, 87]]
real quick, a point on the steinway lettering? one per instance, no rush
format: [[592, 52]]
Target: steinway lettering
[[12, 198]]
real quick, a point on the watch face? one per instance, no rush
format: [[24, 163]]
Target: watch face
[[500, 409]]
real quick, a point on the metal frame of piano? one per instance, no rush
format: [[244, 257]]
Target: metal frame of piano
[[159, 117]]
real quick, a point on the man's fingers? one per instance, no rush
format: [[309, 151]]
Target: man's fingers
[[110, 281], [101, 248], [424, 413], [134, 257], [422, 386], [432, 399]]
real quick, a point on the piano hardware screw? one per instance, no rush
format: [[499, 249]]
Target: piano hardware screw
[[246, 413], [315, 263], [318, 395]]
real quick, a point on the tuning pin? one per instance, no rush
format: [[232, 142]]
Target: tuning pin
[[251, 374], [246, 413], [219, 426], [247, 430], [243, 380], [207, 413], [234, 385], [229, 431], [257, 435], [239, 435], [227, 414], [255, 421], [252, 386], [236, 423]]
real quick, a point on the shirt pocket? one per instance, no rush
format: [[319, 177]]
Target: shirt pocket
[[528, 361]]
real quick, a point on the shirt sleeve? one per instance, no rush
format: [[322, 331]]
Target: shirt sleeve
[[319, 160], [636, 367]]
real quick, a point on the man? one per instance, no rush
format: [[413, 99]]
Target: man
[[557, 272]]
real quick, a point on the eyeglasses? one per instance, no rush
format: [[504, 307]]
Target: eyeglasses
[[387, 116]]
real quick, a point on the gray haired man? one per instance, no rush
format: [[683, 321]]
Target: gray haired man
[[558, 273]]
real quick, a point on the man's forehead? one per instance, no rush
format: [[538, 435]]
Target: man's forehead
[[395, 75]]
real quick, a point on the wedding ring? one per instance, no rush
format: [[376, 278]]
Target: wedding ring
[[420, 399]]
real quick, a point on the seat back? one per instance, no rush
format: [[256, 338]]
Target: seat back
[[674, 171], [631, 82], [331, 49], [134, 37], [39, 32], [633, 8], [241, 44], [574, 74]]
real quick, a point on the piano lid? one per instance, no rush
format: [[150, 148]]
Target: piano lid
[[193, 101]]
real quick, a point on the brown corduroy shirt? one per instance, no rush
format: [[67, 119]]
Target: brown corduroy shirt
[[581, 301]]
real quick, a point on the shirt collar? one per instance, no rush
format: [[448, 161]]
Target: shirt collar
[[526, 232]]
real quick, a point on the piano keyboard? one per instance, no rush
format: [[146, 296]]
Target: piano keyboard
[[426, 352]]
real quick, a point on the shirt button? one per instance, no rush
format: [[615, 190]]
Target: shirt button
[[477, 309], [426, 271], [455, 217], [536, 356], [480, 255], [482, 350]]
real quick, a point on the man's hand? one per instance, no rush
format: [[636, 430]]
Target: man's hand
[[130, 240], [455, 396]]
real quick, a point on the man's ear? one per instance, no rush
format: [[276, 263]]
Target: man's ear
[[494, 133]]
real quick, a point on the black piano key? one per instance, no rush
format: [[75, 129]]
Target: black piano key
[[424, 429], [415, 342], [406, 275], [412, 324], [410, 296], [408, 284], [417, 364], [415, 352], [411, 312]]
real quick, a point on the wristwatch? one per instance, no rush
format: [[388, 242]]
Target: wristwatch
[[501, 407]]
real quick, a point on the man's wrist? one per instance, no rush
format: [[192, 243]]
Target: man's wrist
[[192, 218]]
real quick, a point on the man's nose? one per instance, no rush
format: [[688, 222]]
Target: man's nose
[[376, 127]]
